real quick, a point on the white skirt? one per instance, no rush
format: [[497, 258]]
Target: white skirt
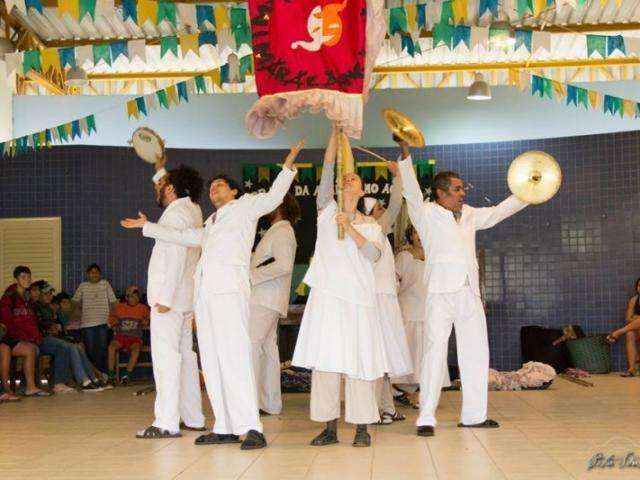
[[341, 337], [395, 338], [415, 337]]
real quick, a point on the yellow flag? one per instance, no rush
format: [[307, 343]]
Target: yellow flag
[[216, 79], [629, 108], [381, 172], [42, 137], [132, 109], [72, 7], [221, 14], [594, 98], [189, 43], [319, 172], [147, 10], [412, 14], [539, 6], [264, 173], [172, 94], [51, 60], [459, 8], [301, 289], [558, 89]]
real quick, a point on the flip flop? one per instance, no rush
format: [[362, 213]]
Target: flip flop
[[488, 423], [610, 339], [629, 373], [39, 393], [9, 397]]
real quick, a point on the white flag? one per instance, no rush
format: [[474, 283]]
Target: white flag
[[187, 15], [540, 40], [479, 36], [137, 48]]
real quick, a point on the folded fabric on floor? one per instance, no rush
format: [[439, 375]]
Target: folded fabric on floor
[[294, 379], [532, 375]]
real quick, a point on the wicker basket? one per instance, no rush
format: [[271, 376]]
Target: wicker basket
[[590, 353]]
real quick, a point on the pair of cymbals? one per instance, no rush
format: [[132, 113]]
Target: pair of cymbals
[[534, 177]]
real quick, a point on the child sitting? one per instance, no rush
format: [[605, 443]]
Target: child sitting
[[127, 320]]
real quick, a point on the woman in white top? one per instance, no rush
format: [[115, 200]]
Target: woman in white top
[[271, 270], [340, 334], [411, 294]]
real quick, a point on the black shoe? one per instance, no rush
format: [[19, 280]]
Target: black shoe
[[217, 439], [403, 400], [326, 437], [155, 432], [253, 441], [91, 387], [183, 426], [426, 431], [103, 385], [488, 423], [124, 380], [362, 439]]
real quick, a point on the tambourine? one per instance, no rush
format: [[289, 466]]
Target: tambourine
[[149, 146]]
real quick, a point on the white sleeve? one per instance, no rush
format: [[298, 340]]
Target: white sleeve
[[412, 192], [487, 217], [175, 257], [263, 203], [190, 237]]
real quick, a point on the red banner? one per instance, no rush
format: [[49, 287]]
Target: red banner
[[308, 44]]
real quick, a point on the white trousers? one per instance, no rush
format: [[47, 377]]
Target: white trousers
[[175, 371], [384, 395], [263, 331], [225, 353], [360, 398], [464, 310]]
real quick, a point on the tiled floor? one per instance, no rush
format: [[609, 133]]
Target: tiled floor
[[544, 435]]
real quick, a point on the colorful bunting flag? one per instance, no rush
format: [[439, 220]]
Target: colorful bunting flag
[[31, 61], [87, 7], [397, 20], [147, 12], [142, 108], [130, 10], [102, 52], [168, 44], [167, 11], [204, 13]]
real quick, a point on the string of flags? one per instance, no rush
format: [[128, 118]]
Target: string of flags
[[235, 71], [58, 59], [572, 95], [49, 136], [452, 36]]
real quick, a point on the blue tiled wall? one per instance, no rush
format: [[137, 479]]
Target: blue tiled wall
[[572, 260]]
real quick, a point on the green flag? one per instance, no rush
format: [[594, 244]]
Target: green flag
[[87, 6], [102, 52], [397, 20], [597, 43], [583, 97], [240, 27], [31, 61], [446, 14], [162, 98], [200, 84], [547, 87], [442, 33], [91, 124], [168, 44], [167, 11]]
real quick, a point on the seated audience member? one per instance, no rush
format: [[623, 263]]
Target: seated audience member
[[631, 331], [69, 316], [23, 335], [127, 320], [97, 299], [83, 371]]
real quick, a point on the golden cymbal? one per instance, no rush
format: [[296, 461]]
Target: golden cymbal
[[402, 127], [534, 177]]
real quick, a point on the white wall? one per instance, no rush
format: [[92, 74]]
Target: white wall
[[446, 117], [6, 106]]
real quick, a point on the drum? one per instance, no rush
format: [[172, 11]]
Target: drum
[[149, 146]]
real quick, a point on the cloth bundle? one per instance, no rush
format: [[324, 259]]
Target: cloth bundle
[[531, 375]]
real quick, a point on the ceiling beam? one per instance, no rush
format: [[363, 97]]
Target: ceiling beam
[[44, 83], [17, 19], [400, 69]]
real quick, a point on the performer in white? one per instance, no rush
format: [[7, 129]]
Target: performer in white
[[412, 292], [222, 292], [447, 229], [340, 335], [271, 269], [170, 296], [395, 340]]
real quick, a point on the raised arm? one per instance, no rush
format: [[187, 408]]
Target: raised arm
[[264, 203], [390, 215], [487, 217], [326, 187], [412, 192]]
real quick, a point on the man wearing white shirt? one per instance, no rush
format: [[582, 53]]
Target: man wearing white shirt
[[170, 296], [447, 229], [271, 270], [222, 291]]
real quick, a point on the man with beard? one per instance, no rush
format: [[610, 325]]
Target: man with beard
[[170, 297]]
